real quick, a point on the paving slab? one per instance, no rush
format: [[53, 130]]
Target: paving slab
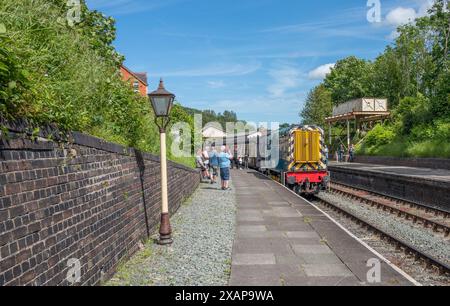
[[321, 259], [249, 219], [281, 239], [327, 270], [255, 275], [268, 234], [251, 228], [311, 249], [253, 259], [307, 234]]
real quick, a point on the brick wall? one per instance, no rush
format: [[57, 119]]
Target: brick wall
[[85, 199]]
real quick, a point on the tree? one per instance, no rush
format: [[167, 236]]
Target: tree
[[101, 31], [417, 62], [413, 73], [349, 79], [229, 116], [435, 28], [318, 106]]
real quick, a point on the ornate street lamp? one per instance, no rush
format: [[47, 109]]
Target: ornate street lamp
[[162, 102]]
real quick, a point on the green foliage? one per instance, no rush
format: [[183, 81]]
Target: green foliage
[[318, 106], [13, 77], [349, 79], [442, 130], [209, 116], [413, 73], [101, 32], [51, 72], [380, 135], [285, 126], [178, 114], [429, 148], [405, 148], [412, 111]]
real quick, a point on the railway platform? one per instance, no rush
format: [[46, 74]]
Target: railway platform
[[428, 174], [282, 239], [424, 186]]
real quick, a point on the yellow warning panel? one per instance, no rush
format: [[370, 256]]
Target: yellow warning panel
[[307, 146]]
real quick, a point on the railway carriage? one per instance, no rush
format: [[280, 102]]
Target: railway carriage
[[302, 163], [293, 156]]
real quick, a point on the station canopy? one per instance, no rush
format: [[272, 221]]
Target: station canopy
[[362, 110]]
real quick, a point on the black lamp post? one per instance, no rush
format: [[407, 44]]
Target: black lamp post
[[162, 102]]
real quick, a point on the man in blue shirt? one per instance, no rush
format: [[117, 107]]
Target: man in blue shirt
[[214, 163], [225, 158]]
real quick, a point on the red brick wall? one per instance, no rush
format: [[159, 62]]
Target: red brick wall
[[128, 77], [85, 200]]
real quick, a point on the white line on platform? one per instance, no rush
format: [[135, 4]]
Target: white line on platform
[[389, 263]]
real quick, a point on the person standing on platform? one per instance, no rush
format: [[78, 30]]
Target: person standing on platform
[[326, 151], [225, 159], [214, 164], [205, 157], [246, 161], [351, 153], [235, 161], [341, 153], [201, 165]]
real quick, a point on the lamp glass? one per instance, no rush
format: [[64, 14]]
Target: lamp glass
[[162, 105]]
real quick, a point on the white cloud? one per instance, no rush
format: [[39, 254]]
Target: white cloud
[[214, 70], [425, 5], [286, 77], [216, 84], [404, 15], [320, 72], [400, 16]]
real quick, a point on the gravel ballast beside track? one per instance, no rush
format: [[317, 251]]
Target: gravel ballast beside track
[[417, 236], [203, 232]]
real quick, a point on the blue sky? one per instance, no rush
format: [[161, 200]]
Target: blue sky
[[256, 57]]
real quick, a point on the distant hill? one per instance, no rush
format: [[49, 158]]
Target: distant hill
[[212, 116]]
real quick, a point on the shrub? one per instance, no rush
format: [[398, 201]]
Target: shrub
[[380, 135], [443, 130], [72, 75], [13, 77], [429, 148], [423, 132], [411, 112]]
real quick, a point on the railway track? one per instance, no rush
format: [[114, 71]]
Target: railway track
[[429, 217], [429, 261]]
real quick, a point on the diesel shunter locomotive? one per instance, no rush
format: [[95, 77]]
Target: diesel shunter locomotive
[[302, 162]]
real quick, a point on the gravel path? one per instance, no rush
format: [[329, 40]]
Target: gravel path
[[203, 232]]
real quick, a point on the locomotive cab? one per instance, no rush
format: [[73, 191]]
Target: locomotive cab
[[306, 171]]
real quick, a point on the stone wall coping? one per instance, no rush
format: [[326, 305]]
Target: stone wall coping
[[44, 132]]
